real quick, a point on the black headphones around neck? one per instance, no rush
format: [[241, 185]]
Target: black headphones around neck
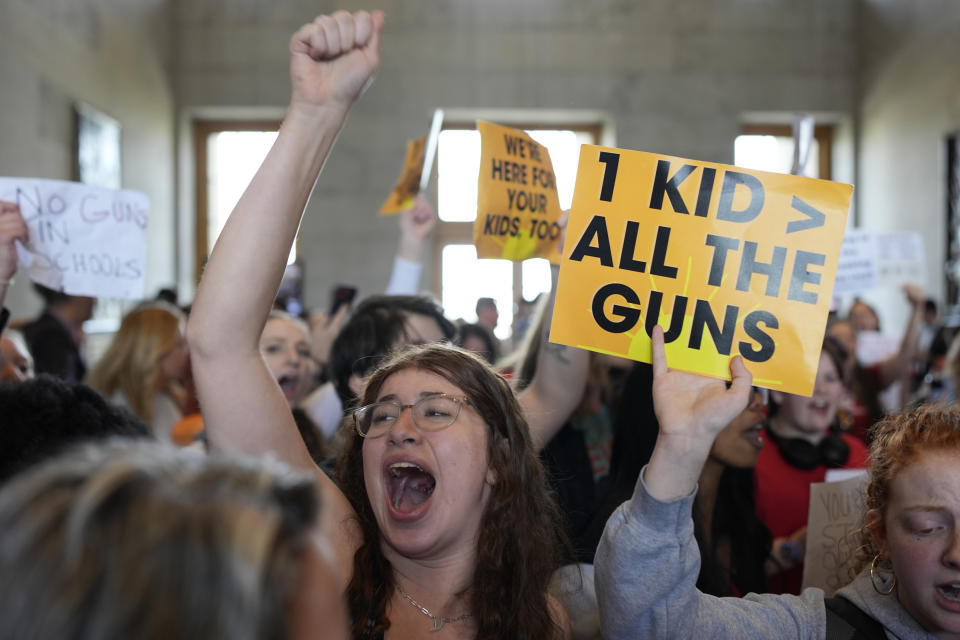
[[832, 451]]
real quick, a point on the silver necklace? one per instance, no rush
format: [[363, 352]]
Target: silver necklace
[[438, 621]]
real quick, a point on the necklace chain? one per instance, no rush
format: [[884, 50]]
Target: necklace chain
[[438, 621]]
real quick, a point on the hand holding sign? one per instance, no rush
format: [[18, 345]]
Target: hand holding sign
[[416, 224], [695, 407], [12, 229], [692, 410]]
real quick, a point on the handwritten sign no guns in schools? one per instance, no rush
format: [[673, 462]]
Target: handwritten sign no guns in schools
[[728, 261], [84, 240]]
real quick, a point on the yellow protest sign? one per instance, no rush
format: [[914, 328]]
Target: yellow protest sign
[[727, 260], [408, 185], [517, 206]]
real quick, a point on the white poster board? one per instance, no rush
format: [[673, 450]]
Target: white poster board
[[833, 532], [878, 259], [857, 267], [83, 240]]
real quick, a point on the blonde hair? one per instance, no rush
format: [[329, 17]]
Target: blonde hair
[[131, 362], [134, 541]]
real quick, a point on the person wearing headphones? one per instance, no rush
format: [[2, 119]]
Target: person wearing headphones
[[803, 441]]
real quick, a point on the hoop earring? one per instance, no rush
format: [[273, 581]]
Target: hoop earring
[[875, 578]]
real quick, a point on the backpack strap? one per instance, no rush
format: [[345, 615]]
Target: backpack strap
[[846, 621]]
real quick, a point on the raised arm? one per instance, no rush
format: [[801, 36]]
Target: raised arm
[[647, 562], [557, 386], [416, 225], [331, 61], [691, 410], [894, 367]]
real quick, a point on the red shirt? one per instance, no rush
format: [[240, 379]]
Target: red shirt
[[782, 496]]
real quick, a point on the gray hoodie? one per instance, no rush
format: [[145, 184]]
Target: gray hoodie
[[646, 574]]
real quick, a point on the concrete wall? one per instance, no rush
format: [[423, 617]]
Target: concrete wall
[[909, 100], [114, 55], [676, 77]]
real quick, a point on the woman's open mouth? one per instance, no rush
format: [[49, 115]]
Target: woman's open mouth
[[409, 487], [752, 435], [289, 384], [950, 595]]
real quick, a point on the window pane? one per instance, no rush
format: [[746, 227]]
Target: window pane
[[458, 165], [234, 157], [465, 279], [564, 148], [535, 276], [773, 153]]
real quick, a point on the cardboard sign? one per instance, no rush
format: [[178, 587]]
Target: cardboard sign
[[408, 185], [836, 515], [84, 240], [878, 259], [857, 268], [727, 261], [517, 205]]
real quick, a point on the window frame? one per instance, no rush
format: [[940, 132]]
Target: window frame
[[202, 130], [822, 133]]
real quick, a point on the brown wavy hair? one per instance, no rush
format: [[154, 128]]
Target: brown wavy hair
[[521, 540], [897, 441]]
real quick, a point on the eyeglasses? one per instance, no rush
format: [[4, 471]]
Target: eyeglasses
[[430, 413]]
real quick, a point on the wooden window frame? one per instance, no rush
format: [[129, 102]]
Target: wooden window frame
[[202, 130], [822, 133]]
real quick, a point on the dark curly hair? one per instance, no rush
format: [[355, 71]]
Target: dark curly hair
[[520, 543], [45, 416], [374, 329]]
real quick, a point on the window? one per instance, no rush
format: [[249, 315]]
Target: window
[[460, 276], [228, 155], [770, 148]]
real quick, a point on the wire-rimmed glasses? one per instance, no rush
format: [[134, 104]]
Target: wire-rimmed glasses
[[430, 413]]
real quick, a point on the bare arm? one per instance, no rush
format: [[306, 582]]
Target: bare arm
[[894, 367], [331, 60], [416, 225], [557, 385]]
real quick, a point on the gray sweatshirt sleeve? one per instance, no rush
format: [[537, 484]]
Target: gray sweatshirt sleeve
[[646, 574]]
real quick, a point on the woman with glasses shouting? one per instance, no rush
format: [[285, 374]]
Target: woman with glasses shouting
[[442, 525]]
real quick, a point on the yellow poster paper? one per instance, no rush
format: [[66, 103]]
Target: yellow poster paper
[[728, 261], [408, 185], [517, 206]]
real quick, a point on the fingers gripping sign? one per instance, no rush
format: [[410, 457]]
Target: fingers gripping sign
[[692, 405], [333, 58], [691, 410], [12, 228]]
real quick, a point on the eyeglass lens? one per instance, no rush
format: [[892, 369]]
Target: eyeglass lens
[[431, 413]]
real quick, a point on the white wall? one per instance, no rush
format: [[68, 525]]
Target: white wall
[[676, 77], [114, 55], [909, 102]]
